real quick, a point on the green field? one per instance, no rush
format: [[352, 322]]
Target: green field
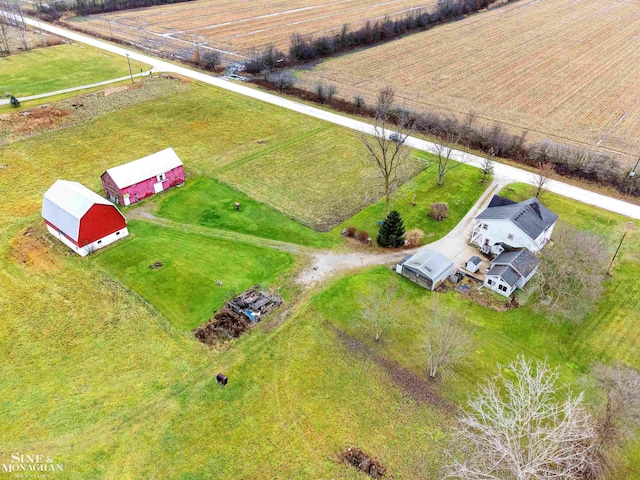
[[209, 203], [216, 135], [97, 379], [461, 191], [185, 289], [61, 66]]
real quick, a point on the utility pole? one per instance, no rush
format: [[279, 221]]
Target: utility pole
[[130, 72], [615, 255], [110, 32], [632, 174]]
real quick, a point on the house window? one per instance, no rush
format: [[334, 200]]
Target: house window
[[99, 242], [162, 177], [489, 281], [485, 226], [502, 288], [117, 233], [510, 236]]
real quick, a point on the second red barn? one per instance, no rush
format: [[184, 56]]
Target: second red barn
[[127, 184]]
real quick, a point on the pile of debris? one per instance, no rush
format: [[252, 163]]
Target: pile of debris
[[254, 304], [363, 462], [156, 265], [237, 316], [226, 325]]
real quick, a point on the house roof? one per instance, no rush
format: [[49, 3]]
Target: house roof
[[65, 203], [530, 215], [522, 261], [144, 168], [475, 260], [429, 262], [506, 273]]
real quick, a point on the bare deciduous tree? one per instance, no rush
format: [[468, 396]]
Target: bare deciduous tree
[[621, 418], [571, 272], [386, 148], [447, 342], [516, 429], [444, 150], [541, 178], [380, 311], [4, 33]]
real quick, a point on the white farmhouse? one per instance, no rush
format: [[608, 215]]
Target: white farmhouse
[[507, 225], [511, 270]]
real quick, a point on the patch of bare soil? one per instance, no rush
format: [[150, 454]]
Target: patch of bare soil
[[27, 122], [31, 247], [408, 382], [363, 462]]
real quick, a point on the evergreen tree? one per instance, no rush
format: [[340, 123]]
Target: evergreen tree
[[392, 231]]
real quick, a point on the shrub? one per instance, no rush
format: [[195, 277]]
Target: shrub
[[210, 60], [358, 101], [439, 211], [363, 235], [414, 237], [282, 80], [351, 231], [392, 231]]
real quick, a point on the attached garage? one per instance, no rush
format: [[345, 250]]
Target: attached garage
[[129, 183], [80, 218]]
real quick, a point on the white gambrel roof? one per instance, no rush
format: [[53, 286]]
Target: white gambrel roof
[[65, 203], [144, 168]]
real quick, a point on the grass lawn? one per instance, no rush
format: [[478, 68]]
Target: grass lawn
[[210, 203], [608, 334], [61, 66], [460, 191], [309, 170], [100, 381], [184, 289]]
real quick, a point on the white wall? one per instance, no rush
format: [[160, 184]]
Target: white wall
[[496, 281], [499, 230], [92, 247]]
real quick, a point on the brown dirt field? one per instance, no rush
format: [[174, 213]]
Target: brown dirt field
[[564, 70], [238, 27]]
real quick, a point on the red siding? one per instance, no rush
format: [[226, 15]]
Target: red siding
[[142, 189], [111, 191], [98, 222]]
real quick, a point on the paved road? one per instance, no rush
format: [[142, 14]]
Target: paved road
[[75, 89], [503, 173]]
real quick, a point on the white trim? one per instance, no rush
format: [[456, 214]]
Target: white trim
[[92, 247]]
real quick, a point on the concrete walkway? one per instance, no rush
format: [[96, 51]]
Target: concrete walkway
[[76, 89], [503, 173]]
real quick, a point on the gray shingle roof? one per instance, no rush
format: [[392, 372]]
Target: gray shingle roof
[[429, 262], [475, 260], [506, 273], [530, 216], [523, 261]]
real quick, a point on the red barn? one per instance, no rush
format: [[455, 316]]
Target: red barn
[[133, 181], [80, 218]]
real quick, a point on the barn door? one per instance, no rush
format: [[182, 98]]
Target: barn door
[[157, 187]]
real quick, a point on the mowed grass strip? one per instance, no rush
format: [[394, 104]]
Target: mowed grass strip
[[184, 290], [461, 190], [61, 66], [210, 203]]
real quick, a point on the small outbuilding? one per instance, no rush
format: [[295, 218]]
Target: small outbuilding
[[129, 183], [427, 268], [473, 264], [80, 218], [511, 270]]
